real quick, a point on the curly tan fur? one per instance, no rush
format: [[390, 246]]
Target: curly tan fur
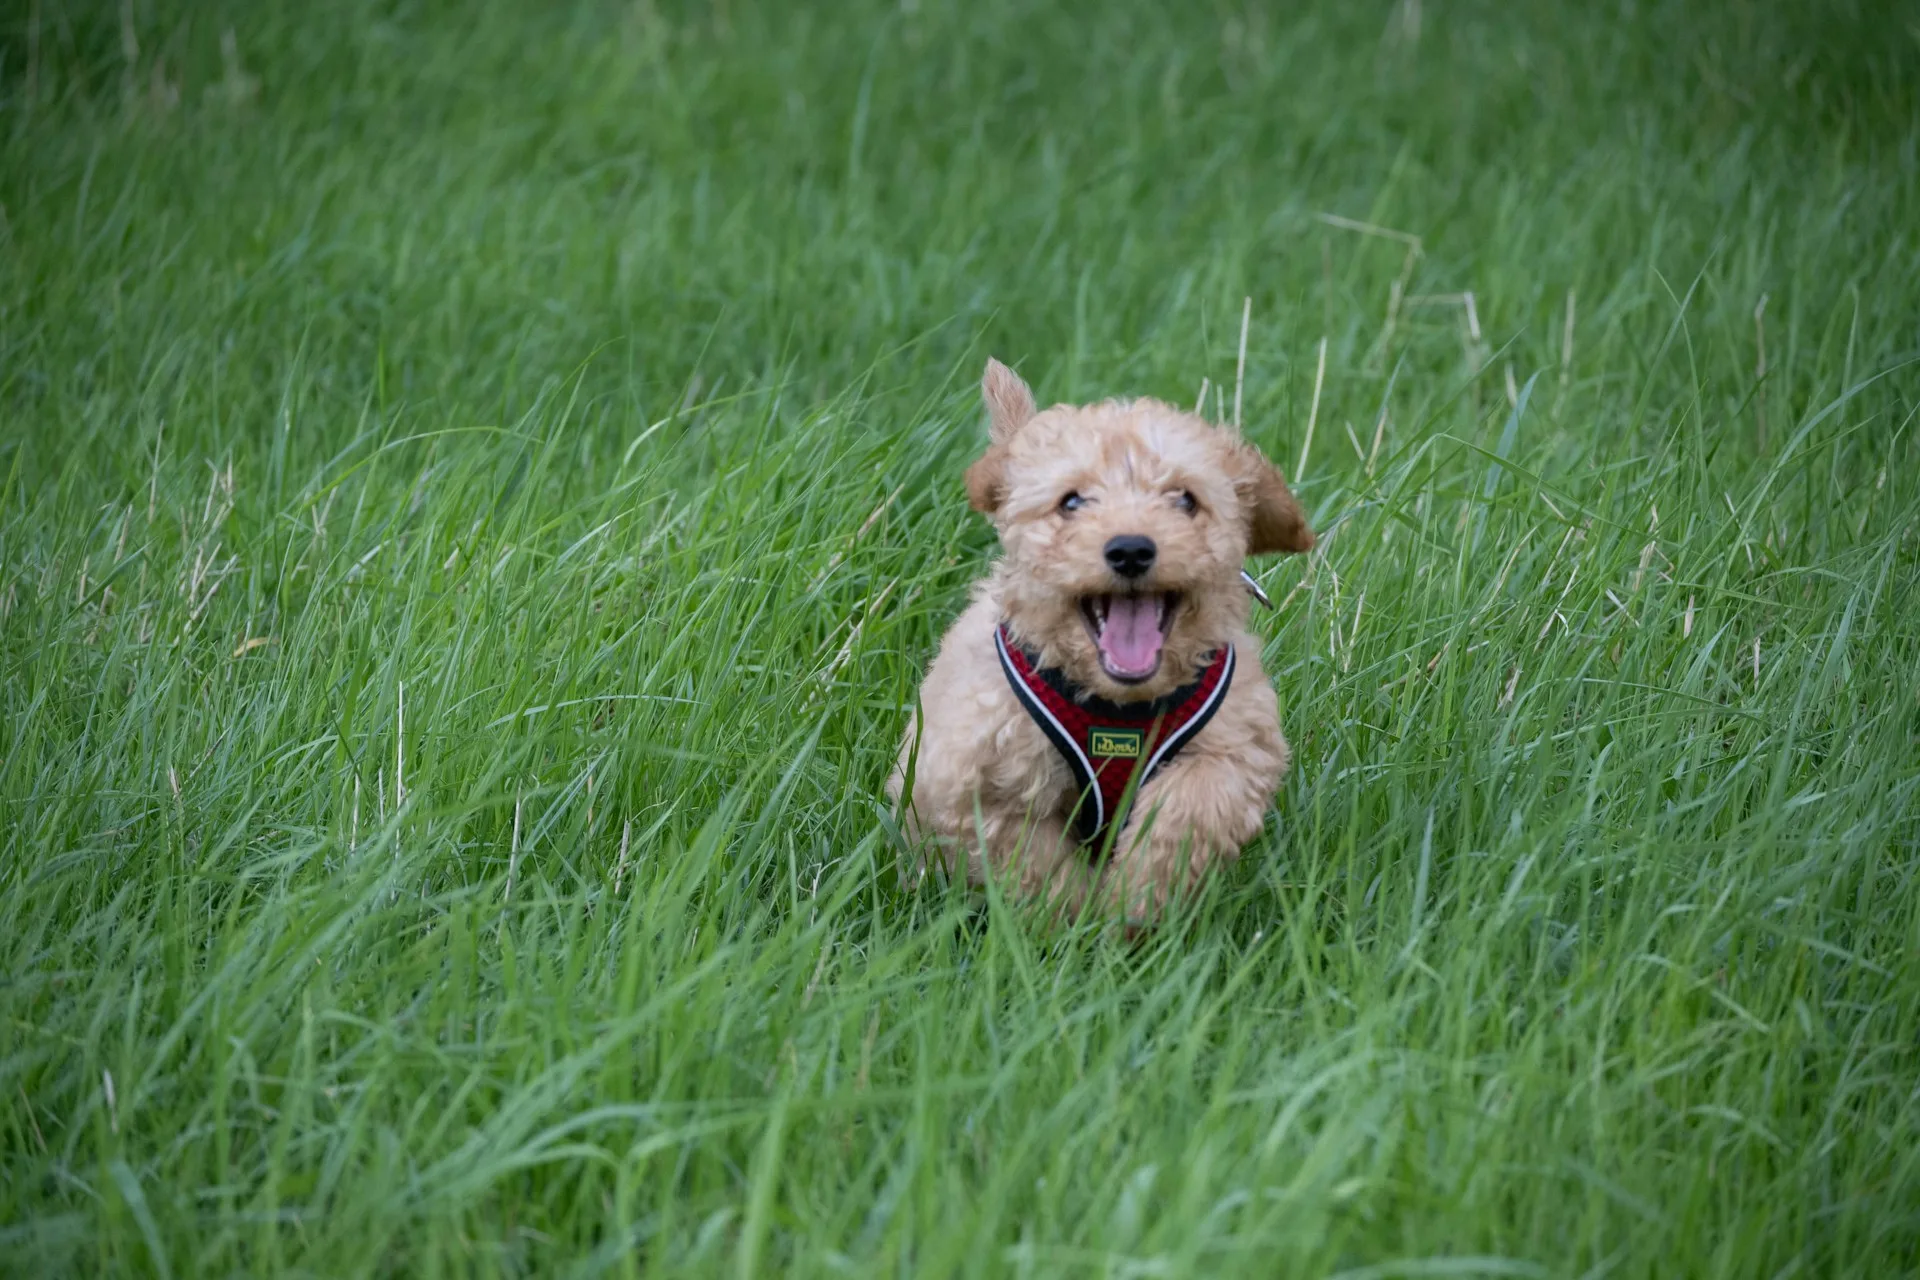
[[988, 790]]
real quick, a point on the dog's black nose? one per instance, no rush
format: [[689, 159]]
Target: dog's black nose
[[1130, 554]]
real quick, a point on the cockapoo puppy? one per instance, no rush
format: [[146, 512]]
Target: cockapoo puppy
[[1097, 727]]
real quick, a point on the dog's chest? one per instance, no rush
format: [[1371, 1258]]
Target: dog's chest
[[1108, 749], [1023, 763]]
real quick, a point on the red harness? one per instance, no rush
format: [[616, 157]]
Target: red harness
[[1107, 744]]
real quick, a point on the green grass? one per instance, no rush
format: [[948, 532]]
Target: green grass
[[478, 486]]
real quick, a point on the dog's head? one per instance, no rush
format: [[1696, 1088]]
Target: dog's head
[[1125, 526]]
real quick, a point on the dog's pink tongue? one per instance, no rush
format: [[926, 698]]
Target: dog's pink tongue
[[1131, 638]]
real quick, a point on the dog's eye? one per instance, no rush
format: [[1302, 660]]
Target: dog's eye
[[1187, 502], [1073, 501]]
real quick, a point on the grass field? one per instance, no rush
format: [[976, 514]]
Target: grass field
[[479, 484]]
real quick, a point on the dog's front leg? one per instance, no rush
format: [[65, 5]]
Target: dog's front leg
[[1197, 811], [1039, 858], [1033, 856]]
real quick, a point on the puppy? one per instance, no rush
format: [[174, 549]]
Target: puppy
[[1097, 728]]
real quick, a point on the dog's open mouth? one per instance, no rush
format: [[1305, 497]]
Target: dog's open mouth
[[1129, 630]]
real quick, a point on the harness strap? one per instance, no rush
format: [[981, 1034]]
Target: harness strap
[[1105, 744]]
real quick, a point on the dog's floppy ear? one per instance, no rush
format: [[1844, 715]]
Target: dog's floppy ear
[[1275, 521], [1009, 407]]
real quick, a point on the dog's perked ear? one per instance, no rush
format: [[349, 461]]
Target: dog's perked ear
[[1275, 521], [1009, 407], [1009, 401]]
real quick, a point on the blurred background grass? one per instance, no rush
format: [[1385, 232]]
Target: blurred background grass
[[481, 483]]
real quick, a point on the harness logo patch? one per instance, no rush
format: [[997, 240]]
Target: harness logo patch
[[1124, 744]]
